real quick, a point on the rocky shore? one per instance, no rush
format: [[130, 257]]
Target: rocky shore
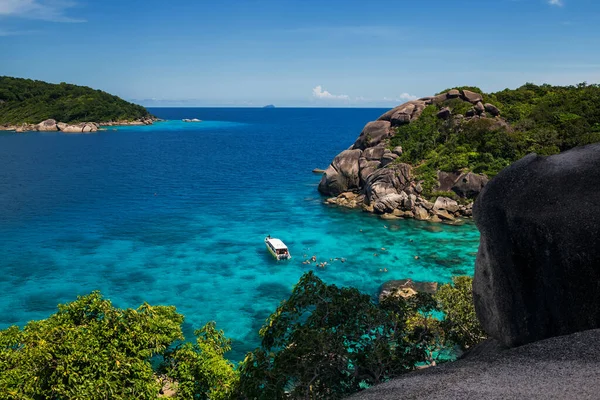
[[51, 125], [370, 175], [535, 289]]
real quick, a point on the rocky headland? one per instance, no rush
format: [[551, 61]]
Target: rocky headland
[[371, 175], [30, 105]]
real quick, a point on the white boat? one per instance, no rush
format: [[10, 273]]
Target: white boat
[[277, 248], [191, 120]]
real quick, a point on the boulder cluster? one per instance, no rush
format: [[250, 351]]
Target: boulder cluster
[[368, 175], [51, 125]]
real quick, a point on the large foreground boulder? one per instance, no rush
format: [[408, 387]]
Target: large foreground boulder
[[538, 266], [562, 368]]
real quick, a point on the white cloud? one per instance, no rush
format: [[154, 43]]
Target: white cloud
[[319, 93], [47, 10], [407, 97], [557, 3], [402, 98]]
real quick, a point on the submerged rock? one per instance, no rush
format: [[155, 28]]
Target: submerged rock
[[406, 288], [538, 266]]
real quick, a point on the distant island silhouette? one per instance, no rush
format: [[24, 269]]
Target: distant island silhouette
[[269, 106]]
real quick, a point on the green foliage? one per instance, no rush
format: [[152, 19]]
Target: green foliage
[[326, 342], [460, 324], [88, 349], [200, 369], [543, 119], [29, 101]]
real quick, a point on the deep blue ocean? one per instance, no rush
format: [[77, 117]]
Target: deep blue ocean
[[176, 213]]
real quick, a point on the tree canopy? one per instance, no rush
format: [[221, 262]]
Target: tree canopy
[[327, 342], [542, 119], [324, 342], [30, 101]]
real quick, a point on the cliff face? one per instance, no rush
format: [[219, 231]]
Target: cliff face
[[370, 173]]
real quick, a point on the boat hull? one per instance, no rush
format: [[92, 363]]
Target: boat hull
[[271, 251], [277, 256]]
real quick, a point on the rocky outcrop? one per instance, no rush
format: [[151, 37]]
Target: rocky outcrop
[[384, 181], [145, 121], [471, 97], [538, 266], [405, 113], [348, 200], [342, 175], [371, 168], [84, 127], [405, 288], [469, 185], [492, 109], [372, 134], [48, 125], [51, 125]]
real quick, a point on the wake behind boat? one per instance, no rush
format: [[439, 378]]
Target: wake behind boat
[[277, 248]]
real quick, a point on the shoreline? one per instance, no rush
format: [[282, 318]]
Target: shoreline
[[51, 125]]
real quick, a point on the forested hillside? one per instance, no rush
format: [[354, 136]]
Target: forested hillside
[[30, 101], [543, 119]]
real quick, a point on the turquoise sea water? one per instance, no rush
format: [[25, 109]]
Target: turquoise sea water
[[176, 213]]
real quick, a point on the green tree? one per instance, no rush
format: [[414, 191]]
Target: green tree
[[542, 119], [460, 324], [87, 350], [326, 342], [200, 370]]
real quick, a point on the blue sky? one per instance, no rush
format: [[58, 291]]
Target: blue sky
[[298, 53]]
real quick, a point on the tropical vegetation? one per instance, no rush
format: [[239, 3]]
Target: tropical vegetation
[[542, 119], [31, 101], [324, 342]]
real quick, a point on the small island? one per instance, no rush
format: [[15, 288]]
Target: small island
[[31, 105], [269, 106]]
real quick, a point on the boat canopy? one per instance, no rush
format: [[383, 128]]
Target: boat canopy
[[277, 244]]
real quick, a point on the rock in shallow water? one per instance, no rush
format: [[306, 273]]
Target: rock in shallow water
[[405, 288], [538, 266], [342, 175]]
